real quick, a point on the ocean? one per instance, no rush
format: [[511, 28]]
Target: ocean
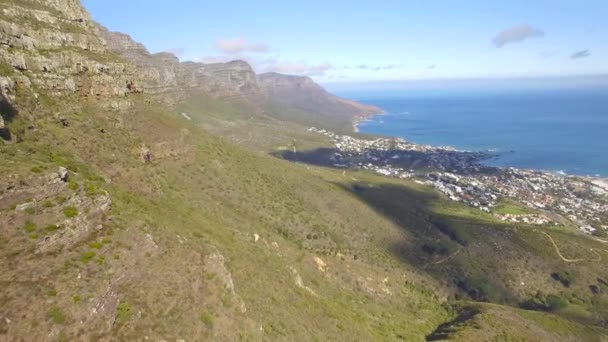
[[562, 131]]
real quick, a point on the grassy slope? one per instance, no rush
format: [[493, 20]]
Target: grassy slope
[[470, 254], [216, 196], [340, 256], [379, 283]]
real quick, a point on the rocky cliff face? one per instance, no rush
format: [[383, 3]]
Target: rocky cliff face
[[163, 74], [53, 47]]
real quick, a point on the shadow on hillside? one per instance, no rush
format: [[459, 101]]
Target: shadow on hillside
[[465, 162], [435, 243], [454, 248], [8, 113]]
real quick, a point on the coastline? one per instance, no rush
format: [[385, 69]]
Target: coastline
[[462, 177], [599, 180], [361, 118]]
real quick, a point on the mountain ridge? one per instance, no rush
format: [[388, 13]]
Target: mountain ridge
[[57, 47], [128, 214]]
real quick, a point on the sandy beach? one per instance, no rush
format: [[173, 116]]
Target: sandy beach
[[601, 182]]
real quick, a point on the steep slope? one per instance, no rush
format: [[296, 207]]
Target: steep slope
[[121, 219], [128, 222], [315, 105]]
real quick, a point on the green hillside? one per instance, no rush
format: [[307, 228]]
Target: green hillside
[[139, 223]]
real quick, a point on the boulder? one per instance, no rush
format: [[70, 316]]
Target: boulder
[[63, 174]]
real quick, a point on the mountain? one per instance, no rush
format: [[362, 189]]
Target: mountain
[[302, 93], [146, 199], [162, 73]]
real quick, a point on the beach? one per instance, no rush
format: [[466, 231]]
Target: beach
[[601, 182]]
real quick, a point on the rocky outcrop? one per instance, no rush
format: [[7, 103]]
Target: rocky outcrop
[[162, 73], [53, 47]]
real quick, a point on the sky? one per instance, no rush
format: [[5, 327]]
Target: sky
[[386, 40]]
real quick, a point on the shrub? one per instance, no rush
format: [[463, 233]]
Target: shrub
[[540, 302], [37, 169], [70, 212], [76, 298], [90, 190], [100, 260], [555, 303], [87, 256], [479, 289], [96, 245], [56, 315], [566, 278], [207, 319], [30, 210], [73, 185], [47, 204], [29, 227], [51, 228], [123, 312]]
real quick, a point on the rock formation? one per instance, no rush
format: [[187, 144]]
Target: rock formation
[[55, 48], [163, 74]]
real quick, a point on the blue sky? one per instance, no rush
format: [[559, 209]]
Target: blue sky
[[351, 41]]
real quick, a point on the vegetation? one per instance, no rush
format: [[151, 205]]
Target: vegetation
[[506, 206], [217, 223], [87, 256], [29, 227], [541, 302], [51, 228], [207, 319], [70, 212], [96, 245], [56, 315], [123, 312], [565, 278]]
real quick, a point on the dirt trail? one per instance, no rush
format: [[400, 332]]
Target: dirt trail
[[444, 259], [559, 253]]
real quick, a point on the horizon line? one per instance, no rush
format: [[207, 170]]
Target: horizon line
[[601, 76]]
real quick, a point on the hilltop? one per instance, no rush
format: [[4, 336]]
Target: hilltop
[[143, 198]]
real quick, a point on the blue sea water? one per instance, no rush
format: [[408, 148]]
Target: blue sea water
[[552, 130]]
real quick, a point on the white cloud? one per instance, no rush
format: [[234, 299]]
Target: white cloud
[[216, 59], [516, 34], [581, 54], [295, 68], [273, 64], [374, 67], [176, 51], [239, 45]]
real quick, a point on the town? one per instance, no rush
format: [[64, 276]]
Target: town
[[460, 175]]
